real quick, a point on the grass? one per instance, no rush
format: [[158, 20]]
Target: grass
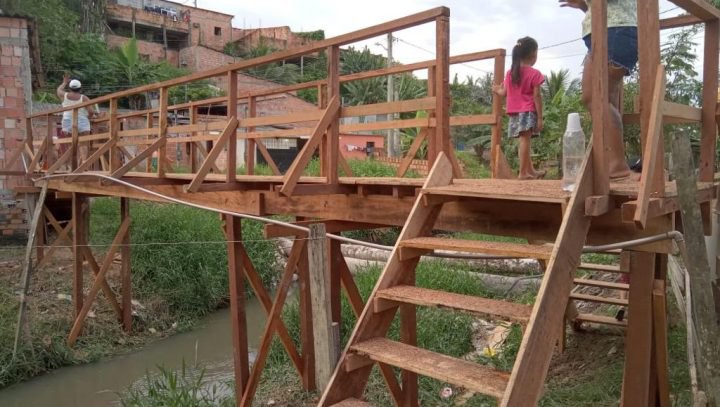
[[168, 388], [179, 265], [473, 168]]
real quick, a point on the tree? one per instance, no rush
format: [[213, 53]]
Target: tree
[[366, 91]]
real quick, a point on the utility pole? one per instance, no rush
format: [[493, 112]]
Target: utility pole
[[392, 142]]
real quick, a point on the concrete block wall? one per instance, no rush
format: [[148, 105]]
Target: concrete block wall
[[15, 100]]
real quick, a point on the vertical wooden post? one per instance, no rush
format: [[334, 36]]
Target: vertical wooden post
[[250, 143], [113, 129], [232, 104], [336, 267], [41, 236], [79, 210], [442, 88], [306, 324], [600, 110], [431, 131], [638, 340], [125, 269], [148, 162], [193, 146], [333, 132], [29, 134], [233, 232], [50, 152], [75, 142], [322, 104], [710, 87], [162, 131], [649, 58], [325, 348], [496, 129]]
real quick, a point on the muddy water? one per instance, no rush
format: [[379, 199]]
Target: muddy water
[[97, 384]]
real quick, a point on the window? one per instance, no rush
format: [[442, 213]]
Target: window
[[218, 31]]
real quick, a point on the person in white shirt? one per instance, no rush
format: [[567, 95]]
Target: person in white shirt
[[71, 97]]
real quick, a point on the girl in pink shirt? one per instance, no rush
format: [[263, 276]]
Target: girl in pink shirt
[[524, 102]]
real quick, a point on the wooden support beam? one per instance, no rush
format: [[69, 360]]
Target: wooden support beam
[[266, 155], [204, 153], [343, 164], [442, 89], [708, 140], [109, 294], [333, 129], [307, 331], [232, 113], [113, 129], [498, 162], [107, 146], [542, 333], [230, 129], [88, 301], [273, 321], [193, 146], [651, 180], [412, 152], [162, 130], [144, 155], [75, 135], [38, 155], [251, 143], [660, 343], [233, 234], [293, 174], [600, 111], [699, 8], [638, 340], [679, 21], [125, 268], [324, 339], [80, 231], [649, 60]]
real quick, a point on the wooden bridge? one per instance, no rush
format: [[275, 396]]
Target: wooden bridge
[[555, 223]]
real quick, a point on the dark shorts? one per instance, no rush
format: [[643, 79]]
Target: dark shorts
[[622, 47]]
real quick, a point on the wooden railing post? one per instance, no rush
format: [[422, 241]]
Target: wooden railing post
[[322, 104], [75, 141], [50, 152], [498, 163], [442, 88], [601, 110], [149, 123], [710, 86], [649, 58], [431, 131], [113, 130], [232, 104], [162, 131], [333, 132], [250, 143], [193, 146]]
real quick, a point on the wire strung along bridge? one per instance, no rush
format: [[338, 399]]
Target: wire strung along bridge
[[597, 212]]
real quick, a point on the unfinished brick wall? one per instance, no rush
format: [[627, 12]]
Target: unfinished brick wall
[[155, 52], [15, 99], [277, 37]]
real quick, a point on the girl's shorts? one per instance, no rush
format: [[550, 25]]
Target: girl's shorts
[[622, 47], [520, 122]]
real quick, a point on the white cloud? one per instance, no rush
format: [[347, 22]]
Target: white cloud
[[475, 25]]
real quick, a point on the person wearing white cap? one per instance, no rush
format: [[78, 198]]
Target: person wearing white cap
[[71, 98]]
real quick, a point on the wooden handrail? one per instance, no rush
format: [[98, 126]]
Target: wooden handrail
[[349, 38], [699, 8]]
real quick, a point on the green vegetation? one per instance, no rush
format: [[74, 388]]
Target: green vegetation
[[168, 388], [179, 265]]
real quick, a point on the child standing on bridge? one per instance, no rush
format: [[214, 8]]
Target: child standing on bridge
[[524, 102]]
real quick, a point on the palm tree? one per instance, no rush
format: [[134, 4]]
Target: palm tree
[[559, 84]]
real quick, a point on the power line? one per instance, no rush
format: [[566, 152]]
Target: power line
[[433, 53]]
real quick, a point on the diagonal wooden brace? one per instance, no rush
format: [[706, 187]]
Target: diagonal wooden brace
[[268, 158], [298, 166], [230, 129], [97, 284], [92, 159], [145, 154]]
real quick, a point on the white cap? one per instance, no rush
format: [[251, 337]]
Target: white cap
[[573, 122], [75, 84]]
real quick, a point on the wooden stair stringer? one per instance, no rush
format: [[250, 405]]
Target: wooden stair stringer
[[547, 318], [344, 385]]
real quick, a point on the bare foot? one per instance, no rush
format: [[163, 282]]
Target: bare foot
[[540, 174]]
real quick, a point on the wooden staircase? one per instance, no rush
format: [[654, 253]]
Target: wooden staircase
[[396, 293]]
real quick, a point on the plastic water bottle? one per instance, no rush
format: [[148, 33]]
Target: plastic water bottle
[[573, 152]]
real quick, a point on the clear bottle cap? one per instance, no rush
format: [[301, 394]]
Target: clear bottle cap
[[573, 122]]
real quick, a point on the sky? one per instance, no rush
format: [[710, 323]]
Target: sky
[[475, 25]]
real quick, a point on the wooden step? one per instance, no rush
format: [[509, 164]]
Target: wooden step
[[601, 267], [484, 307], [602, 284], [601, 319], [352, 403], [472, 376], [549, 191], [596, 298], [418, 246]]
